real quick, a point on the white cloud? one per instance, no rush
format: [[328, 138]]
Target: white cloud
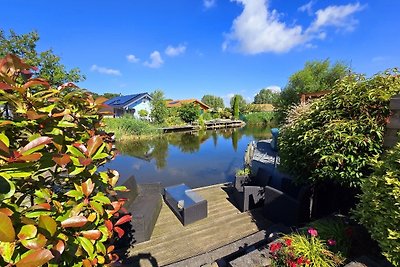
[[175, 51], [209, 3], [274, 88], [107, 71], [155, 60], [132, 58], [258, 29], [307, 8], [337, 16]]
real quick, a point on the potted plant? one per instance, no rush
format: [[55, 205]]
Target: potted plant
[[242, 177]]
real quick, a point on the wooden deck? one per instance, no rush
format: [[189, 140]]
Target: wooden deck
[[172, 242]]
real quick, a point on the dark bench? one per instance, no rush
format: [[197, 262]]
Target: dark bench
[[144, 202], [288, 205]]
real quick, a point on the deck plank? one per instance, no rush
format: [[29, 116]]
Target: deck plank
[[172, 242]]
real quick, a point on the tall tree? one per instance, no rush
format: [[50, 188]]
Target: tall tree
[[158, 107], [213, 101], [314, 77], [266, 96], [48, 64], [236, 107], [241, 102]]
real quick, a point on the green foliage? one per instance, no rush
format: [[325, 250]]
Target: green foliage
[[128, 126], [314, 77], [48, 64], [143, 113], [336, 230], [235, 107], [243, 172], [206, 116], [266, 96], [240, 101], [189, 112], [224, 114], [173, 118], [299, 249], [214, 102], [110, 95], [339, 136], [259, 118], [55, 207], [159, 109], [379, 207]]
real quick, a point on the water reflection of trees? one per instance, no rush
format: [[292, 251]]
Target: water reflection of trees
[[157, 148]]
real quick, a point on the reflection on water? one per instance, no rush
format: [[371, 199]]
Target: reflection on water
[[197, 159]]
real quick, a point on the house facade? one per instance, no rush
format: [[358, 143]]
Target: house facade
[[130, 104]]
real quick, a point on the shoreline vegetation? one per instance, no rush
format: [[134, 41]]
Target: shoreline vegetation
[[129, 128]]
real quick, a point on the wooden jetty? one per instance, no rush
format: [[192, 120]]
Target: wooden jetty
[[212, 124], [172, 242]]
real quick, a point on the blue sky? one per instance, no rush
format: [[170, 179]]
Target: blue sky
[[189, 48]]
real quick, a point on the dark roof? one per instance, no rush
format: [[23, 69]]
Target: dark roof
[[121, 101]]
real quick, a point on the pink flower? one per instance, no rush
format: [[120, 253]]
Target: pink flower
[[331, 242], [312, 232]]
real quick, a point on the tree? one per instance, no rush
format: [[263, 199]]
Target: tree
[[111, 95], [236, 107], [314, 77], [189, 112], [158, 107], [214, 102], [241, 102], [48, 65], [266, 96]]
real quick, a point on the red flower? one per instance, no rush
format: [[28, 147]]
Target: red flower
[[312, 232], [293, 264], [275, 246], [300, 260], [288, 242], [331, 242], [308, 261]]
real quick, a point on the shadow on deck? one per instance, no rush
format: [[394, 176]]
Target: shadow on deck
[[172, 242]]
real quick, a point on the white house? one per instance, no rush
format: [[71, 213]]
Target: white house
[[130, 104]]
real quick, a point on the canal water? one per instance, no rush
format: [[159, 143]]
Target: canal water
[[196, 159]]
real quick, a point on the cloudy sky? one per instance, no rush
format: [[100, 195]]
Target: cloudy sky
[[189, 48]]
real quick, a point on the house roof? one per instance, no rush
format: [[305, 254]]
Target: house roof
[[178, 103], [122, 101]]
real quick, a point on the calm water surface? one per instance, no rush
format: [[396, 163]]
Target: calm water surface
[[196, 159]]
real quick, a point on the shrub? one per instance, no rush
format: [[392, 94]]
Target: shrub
[[379, 207], [189, 112], [143, 113], [303, 250], [127, 126], [341, 134], [259, 118], [55, 207]]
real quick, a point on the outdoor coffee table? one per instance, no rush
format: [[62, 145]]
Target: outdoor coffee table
[[187, 205]]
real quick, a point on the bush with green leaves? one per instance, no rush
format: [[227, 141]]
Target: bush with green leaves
[[56, 208], [338, 137], [189, 112], [379, 207], [143, 114]]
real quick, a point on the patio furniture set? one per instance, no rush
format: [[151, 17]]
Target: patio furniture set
[[144, 202]]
